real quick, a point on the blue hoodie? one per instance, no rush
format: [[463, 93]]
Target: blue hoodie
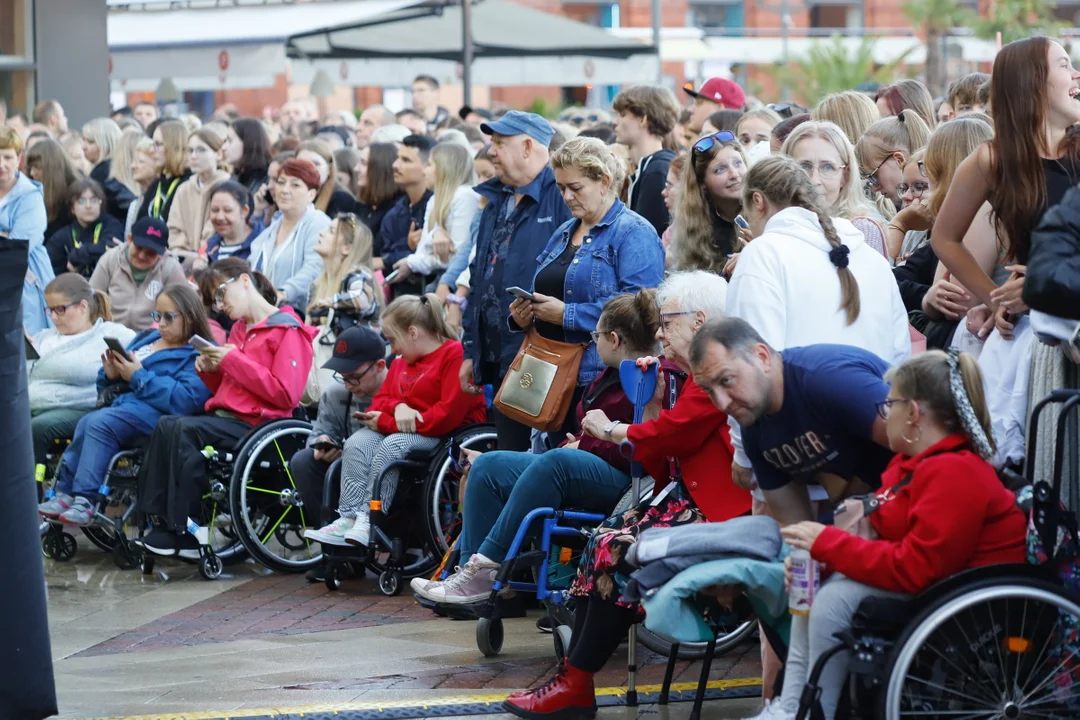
[[243, 250], [23, 217], [167, 383]]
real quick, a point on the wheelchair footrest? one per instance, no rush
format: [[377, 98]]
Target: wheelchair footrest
[[524, 561]]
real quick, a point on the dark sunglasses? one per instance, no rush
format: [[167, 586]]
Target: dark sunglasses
[[168, 317], [706, 143]]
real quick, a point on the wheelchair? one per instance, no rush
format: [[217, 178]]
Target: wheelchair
[[406, 543]]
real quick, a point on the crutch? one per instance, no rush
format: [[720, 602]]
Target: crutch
[[640, 386]]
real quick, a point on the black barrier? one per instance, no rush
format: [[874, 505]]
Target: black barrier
[[27, 691]]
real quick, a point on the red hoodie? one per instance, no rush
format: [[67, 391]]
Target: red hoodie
[[953, 515], [431, 387], [264, 377]]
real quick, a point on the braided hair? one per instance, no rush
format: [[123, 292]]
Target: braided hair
[[783, 183]]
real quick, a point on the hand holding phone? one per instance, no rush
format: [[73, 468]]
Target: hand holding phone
[[200, 343], [521, 293], [117, 348], [741, 222], [392, 277]]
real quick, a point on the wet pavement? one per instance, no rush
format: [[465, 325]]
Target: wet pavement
[[127, 644]]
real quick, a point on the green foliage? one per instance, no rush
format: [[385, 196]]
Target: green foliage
[[1018, 19], [829, 67], [541, 107], [938, 16]]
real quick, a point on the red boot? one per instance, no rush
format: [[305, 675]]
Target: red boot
[[569, 695]]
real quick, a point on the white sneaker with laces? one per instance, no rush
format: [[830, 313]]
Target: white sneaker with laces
[[420, 583], [468, 585], [360, 533], [773, 710], [332, 534]]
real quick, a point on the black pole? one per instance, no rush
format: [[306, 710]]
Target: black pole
[[466, 52], [27, 691]]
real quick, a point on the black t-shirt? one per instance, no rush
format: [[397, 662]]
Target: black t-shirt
[[551, 281]]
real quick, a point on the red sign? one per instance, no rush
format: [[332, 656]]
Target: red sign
[[223, 60]]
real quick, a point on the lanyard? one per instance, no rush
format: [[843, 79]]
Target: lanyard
[[155, 208], [75, 237]]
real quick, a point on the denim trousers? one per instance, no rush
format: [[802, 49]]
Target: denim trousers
[[98, 436], [503, 487]]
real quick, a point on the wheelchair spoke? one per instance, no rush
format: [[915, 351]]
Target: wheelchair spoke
[[961, 714], [284, 465], [1002, 665], [988, 690], [999, 691], [943, 688], [1049, 677], [272, 529], [1042, 653], [264, 490]]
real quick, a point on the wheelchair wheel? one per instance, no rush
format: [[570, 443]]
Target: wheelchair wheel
[[1003, 648], [390, 582], [489, 636], [726, 639], [269, 513], [443, 516], [126, 555], [103, 538], [59, 546]]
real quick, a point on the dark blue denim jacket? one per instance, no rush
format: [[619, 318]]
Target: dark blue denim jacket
[[499, 266], [622, 254]]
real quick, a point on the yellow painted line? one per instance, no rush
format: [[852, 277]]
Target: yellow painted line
[[421, 704]]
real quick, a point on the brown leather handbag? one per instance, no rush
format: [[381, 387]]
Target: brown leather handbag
[[539, 387]]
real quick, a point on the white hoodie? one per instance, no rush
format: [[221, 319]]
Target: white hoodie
[[786, 287]]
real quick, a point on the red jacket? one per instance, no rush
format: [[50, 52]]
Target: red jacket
[[696, 434], [953, 515], [264, 377], [431, 387]]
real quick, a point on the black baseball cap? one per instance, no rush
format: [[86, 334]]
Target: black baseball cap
[[354, 347], [152, 234], [466, 110]]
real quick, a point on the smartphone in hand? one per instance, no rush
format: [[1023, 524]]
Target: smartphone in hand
[[521, 293], [741, 222], [392, 277], [200, 343], [362, 415], [117, 348]]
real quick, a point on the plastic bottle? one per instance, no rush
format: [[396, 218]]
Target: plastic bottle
[[805, 581]]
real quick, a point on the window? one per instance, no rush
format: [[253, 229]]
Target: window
[[715, 14], [836, 16], [16, 43]]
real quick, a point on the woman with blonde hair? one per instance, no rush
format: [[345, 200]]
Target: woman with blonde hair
[[824, 152], [123, 157], [189, 218], [756, 126], [907, 95], [710, 198], [332, 199], [144, 170], [101, 139], [851, 110], [882, 151], [450, 212], [170, 155]]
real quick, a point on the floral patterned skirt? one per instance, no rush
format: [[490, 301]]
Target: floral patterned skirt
[[603, 571]]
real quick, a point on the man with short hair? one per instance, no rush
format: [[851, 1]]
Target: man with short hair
[[963, 94], [400, 229], [50, 113], [715, 94], [373, 118], [425, 101], [524, 207], [646, 115], [412, 120], [293, 114], [808, 415], [145, 112]]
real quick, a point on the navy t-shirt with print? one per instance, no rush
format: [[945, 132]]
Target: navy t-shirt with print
[[826, 422]]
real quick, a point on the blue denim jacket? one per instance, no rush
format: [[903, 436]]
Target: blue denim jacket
[[622, 254], [487, 339]]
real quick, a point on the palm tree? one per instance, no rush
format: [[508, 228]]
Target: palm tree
[[1018, 19], [830, 67], [937, 17]]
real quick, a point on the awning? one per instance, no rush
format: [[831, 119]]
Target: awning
[[512, 45], [241, 46]]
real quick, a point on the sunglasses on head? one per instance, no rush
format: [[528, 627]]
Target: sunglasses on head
[[706, 143]]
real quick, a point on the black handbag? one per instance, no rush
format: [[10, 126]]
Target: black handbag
[[108, 394]]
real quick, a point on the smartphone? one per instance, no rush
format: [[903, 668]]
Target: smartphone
[[31, 351], [268, 197], [326, 445], [361, 415], [741, 222], [117, 348], [392, 276], [520, 293], [200, 343]]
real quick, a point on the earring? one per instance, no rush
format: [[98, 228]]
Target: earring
[[918, 434]]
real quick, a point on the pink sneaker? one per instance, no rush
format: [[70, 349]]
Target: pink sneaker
[[468, 585]]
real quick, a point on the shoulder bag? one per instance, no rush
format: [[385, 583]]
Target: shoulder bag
[[538, 389]]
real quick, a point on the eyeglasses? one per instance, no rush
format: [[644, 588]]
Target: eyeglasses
[[884, 406], [825, 170], [872, 179], [200, 150], [219, 291], [352, 378], [59, 310], [706, 143], [597, 334], [917, 188], [167, 318], [88, 202], [664, 317]]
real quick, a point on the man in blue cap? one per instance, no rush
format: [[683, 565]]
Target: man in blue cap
[[524, 208]]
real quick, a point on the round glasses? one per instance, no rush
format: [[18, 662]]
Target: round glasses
[[825, 170], [167, 318], [917, 188]]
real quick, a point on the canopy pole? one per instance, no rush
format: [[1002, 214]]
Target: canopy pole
[[656, 25], [466, 52]]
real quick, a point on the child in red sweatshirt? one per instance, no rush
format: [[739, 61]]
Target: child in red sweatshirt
[[943, 510], [419, 403]]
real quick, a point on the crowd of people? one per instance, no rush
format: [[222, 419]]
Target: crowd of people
[[866, 295]]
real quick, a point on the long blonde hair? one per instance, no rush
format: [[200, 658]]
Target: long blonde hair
[[783, 183], [106, 135], [852, 201], [693, 247], [175, 136], [852, 111], [322, 199], [453, 168], [354, 234], [421, 311], [123, 156], [950, 144], [905, 132]]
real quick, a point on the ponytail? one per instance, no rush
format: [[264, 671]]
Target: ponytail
[[264, 286], [75, 289], [849, 286], [422, 311], [100, 307]]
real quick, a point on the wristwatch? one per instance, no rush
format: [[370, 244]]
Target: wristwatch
[[611, 428], [462, 302]]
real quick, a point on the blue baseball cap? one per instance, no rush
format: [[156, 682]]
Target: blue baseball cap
[[516, 122]]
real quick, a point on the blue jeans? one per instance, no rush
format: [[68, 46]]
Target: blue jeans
[[503, 487], [98, 436]]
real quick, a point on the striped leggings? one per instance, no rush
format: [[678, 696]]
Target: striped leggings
[[364, 458]]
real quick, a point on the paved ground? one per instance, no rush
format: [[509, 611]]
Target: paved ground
[[128, 644]]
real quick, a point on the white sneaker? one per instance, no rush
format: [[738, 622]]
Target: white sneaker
[[420, 583], [360, 533], [332, 534], [773, 710], [468, 585]]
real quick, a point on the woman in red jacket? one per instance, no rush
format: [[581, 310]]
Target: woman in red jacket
[[943, 509], [258, 376], [419, 403], [683, 443]]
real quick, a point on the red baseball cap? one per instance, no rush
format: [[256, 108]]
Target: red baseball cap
[[719, 90]]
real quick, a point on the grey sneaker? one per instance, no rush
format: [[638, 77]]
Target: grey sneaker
[[80, 513], [54, 506], [468, 585]]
